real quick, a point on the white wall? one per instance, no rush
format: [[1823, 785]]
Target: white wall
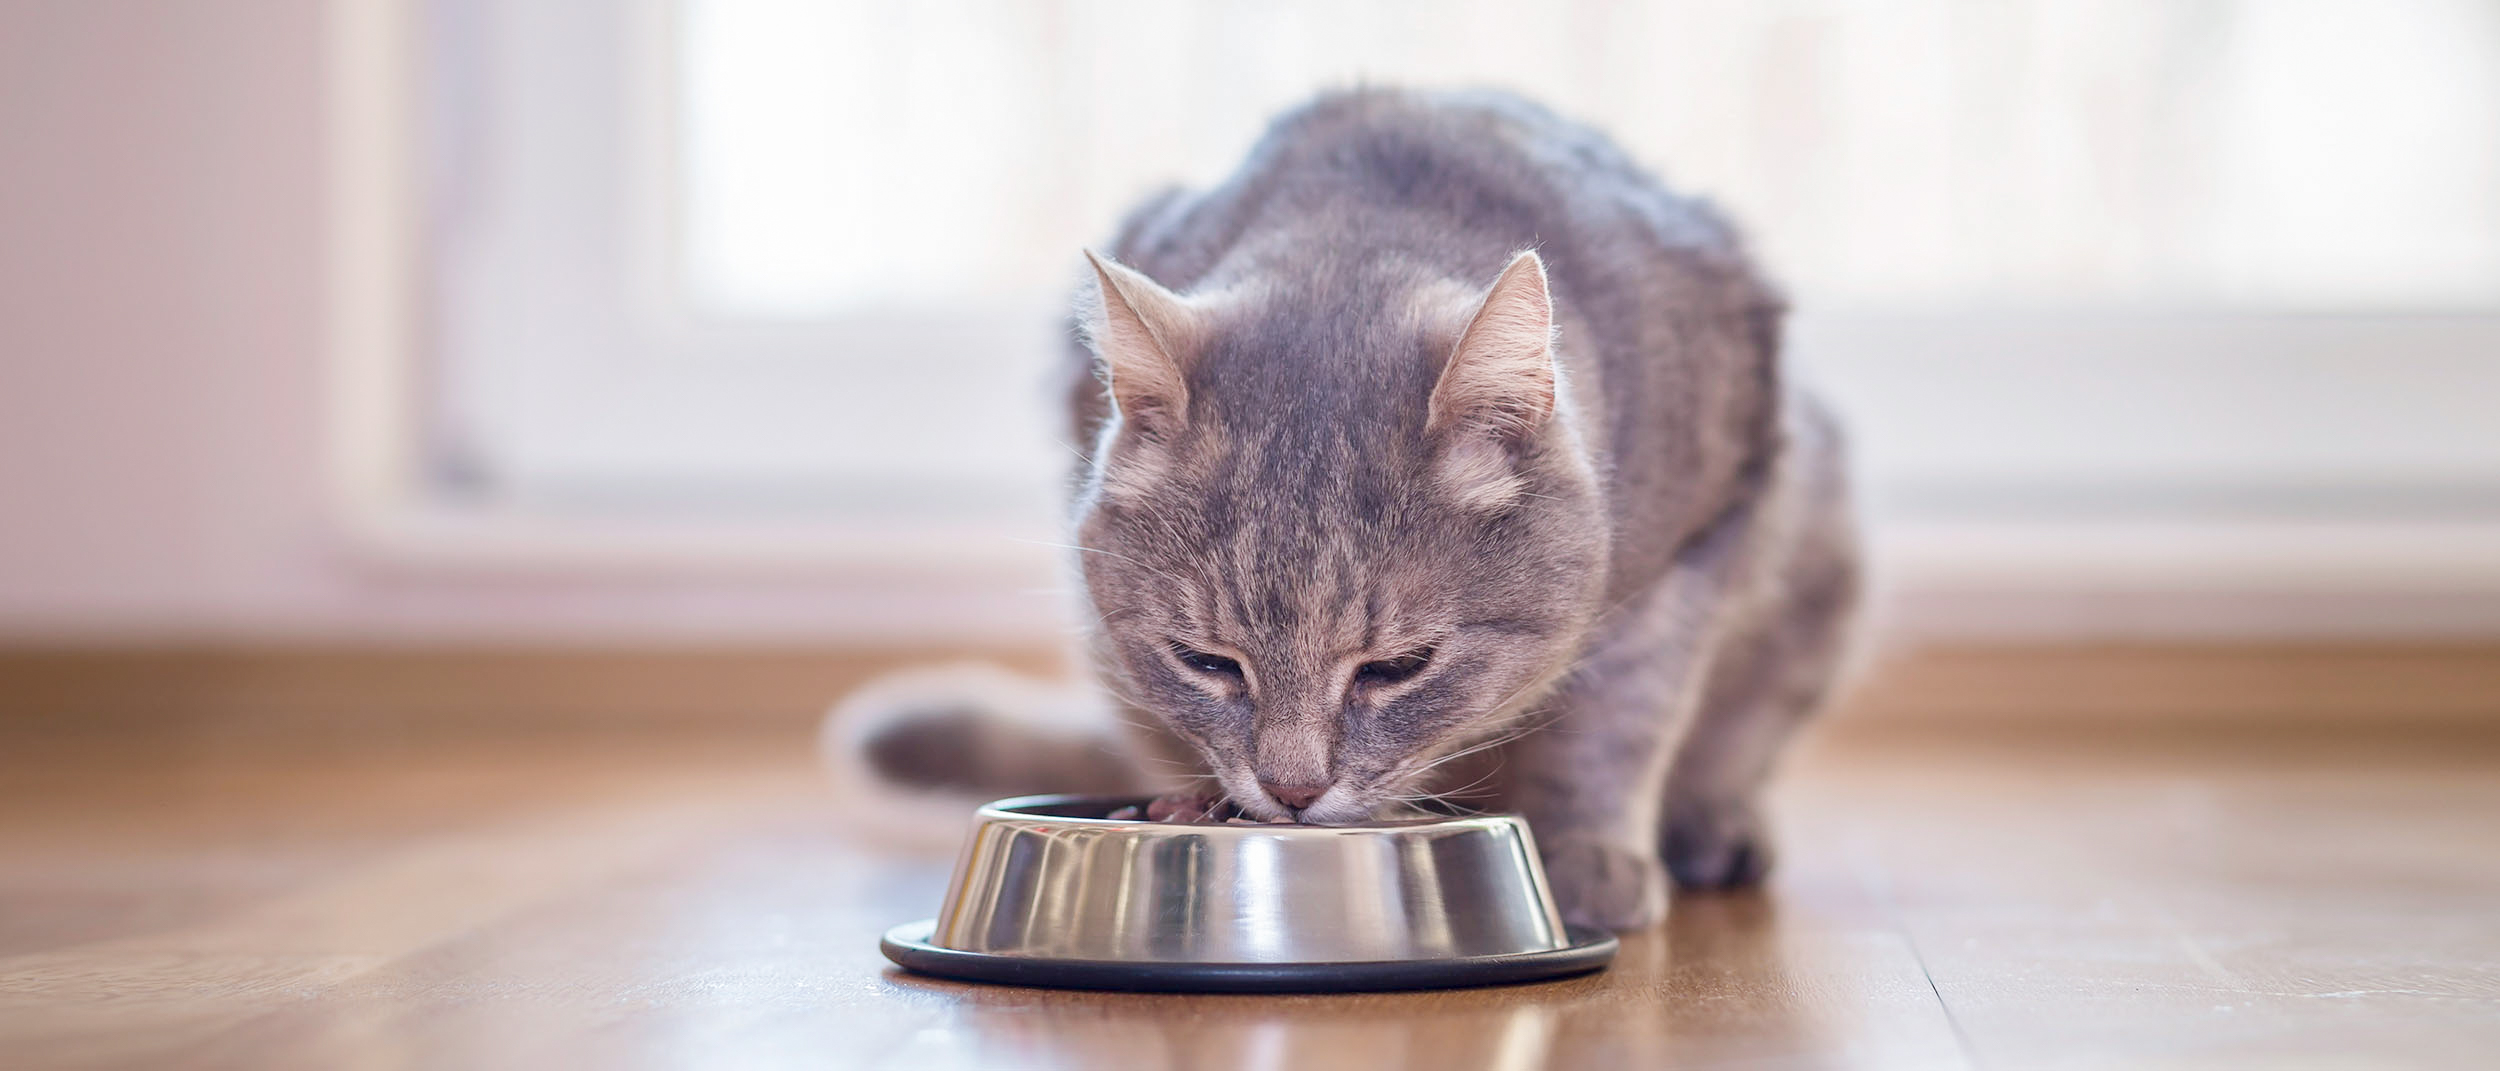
[[163, 379], [160, 293]]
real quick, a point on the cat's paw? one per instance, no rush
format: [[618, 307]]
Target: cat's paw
[[1715, 845], [1605, 885]]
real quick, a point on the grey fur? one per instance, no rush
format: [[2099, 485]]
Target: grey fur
[[1618, 651]]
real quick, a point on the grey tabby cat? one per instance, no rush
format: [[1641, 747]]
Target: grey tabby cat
[[1442, 450]]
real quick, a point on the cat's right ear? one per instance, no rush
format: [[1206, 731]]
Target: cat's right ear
[[1140, 332]]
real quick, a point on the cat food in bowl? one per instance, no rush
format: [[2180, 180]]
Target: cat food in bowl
[[1052, 891]]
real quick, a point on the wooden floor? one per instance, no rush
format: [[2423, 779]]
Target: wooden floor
[[2023, 900]]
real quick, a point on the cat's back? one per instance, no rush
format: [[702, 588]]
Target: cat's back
[[1464, 179]]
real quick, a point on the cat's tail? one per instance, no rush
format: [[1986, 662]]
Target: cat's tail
[[926, 744]]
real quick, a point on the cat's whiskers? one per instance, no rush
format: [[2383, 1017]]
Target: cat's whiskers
[[1491, 772], [1482, 745], [1410, 773], [1453, 795], [1516, 725]]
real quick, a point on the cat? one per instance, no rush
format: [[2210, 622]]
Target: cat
[[1438, 450]]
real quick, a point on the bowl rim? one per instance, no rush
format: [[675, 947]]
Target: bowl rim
[[1019, 809]]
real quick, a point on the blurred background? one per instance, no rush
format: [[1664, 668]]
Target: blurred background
[[509, 349]]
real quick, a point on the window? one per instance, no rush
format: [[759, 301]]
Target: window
[[778, 258]]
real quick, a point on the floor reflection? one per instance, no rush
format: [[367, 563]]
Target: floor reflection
[[1714, 961]]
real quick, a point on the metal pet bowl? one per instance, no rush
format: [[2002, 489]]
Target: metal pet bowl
[[1049, 892]]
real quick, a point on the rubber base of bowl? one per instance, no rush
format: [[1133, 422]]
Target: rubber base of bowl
[[908, 946]]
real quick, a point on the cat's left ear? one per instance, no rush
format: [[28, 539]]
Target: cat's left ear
[[1141, 331], [1496, 393], [1500, 376]]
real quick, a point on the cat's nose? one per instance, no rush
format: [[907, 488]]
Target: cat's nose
[[1294, 796]]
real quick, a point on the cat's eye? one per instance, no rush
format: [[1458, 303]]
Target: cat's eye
[[1211, 664], [1393, 670]]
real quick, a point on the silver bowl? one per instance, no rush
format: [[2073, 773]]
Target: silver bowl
[[1049, 892]]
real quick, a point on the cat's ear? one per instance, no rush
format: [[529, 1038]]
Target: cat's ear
[[1140, 332], [1497, 390], [1500, 377]]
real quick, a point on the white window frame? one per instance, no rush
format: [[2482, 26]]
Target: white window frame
[[2414, 525], [387, 470]]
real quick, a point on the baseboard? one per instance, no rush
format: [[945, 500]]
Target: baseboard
[[396, 693], [2185, 685], [407, 693]]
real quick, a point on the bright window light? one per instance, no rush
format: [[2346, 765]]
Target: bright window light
[[2284, 154]]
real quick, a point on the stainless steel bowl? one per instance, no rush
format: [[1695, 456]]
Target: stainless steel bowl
[[1049, 892]]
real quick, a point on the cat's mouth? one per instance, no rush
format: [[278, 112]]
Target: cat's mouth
[[1341, 804], [1338, 809]]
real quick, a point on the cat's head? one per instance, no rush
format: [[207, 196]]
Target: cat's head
[[1336, 526]]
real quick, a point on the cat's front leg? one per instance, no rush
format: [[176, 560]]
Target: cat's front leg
[[1591, 779]]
